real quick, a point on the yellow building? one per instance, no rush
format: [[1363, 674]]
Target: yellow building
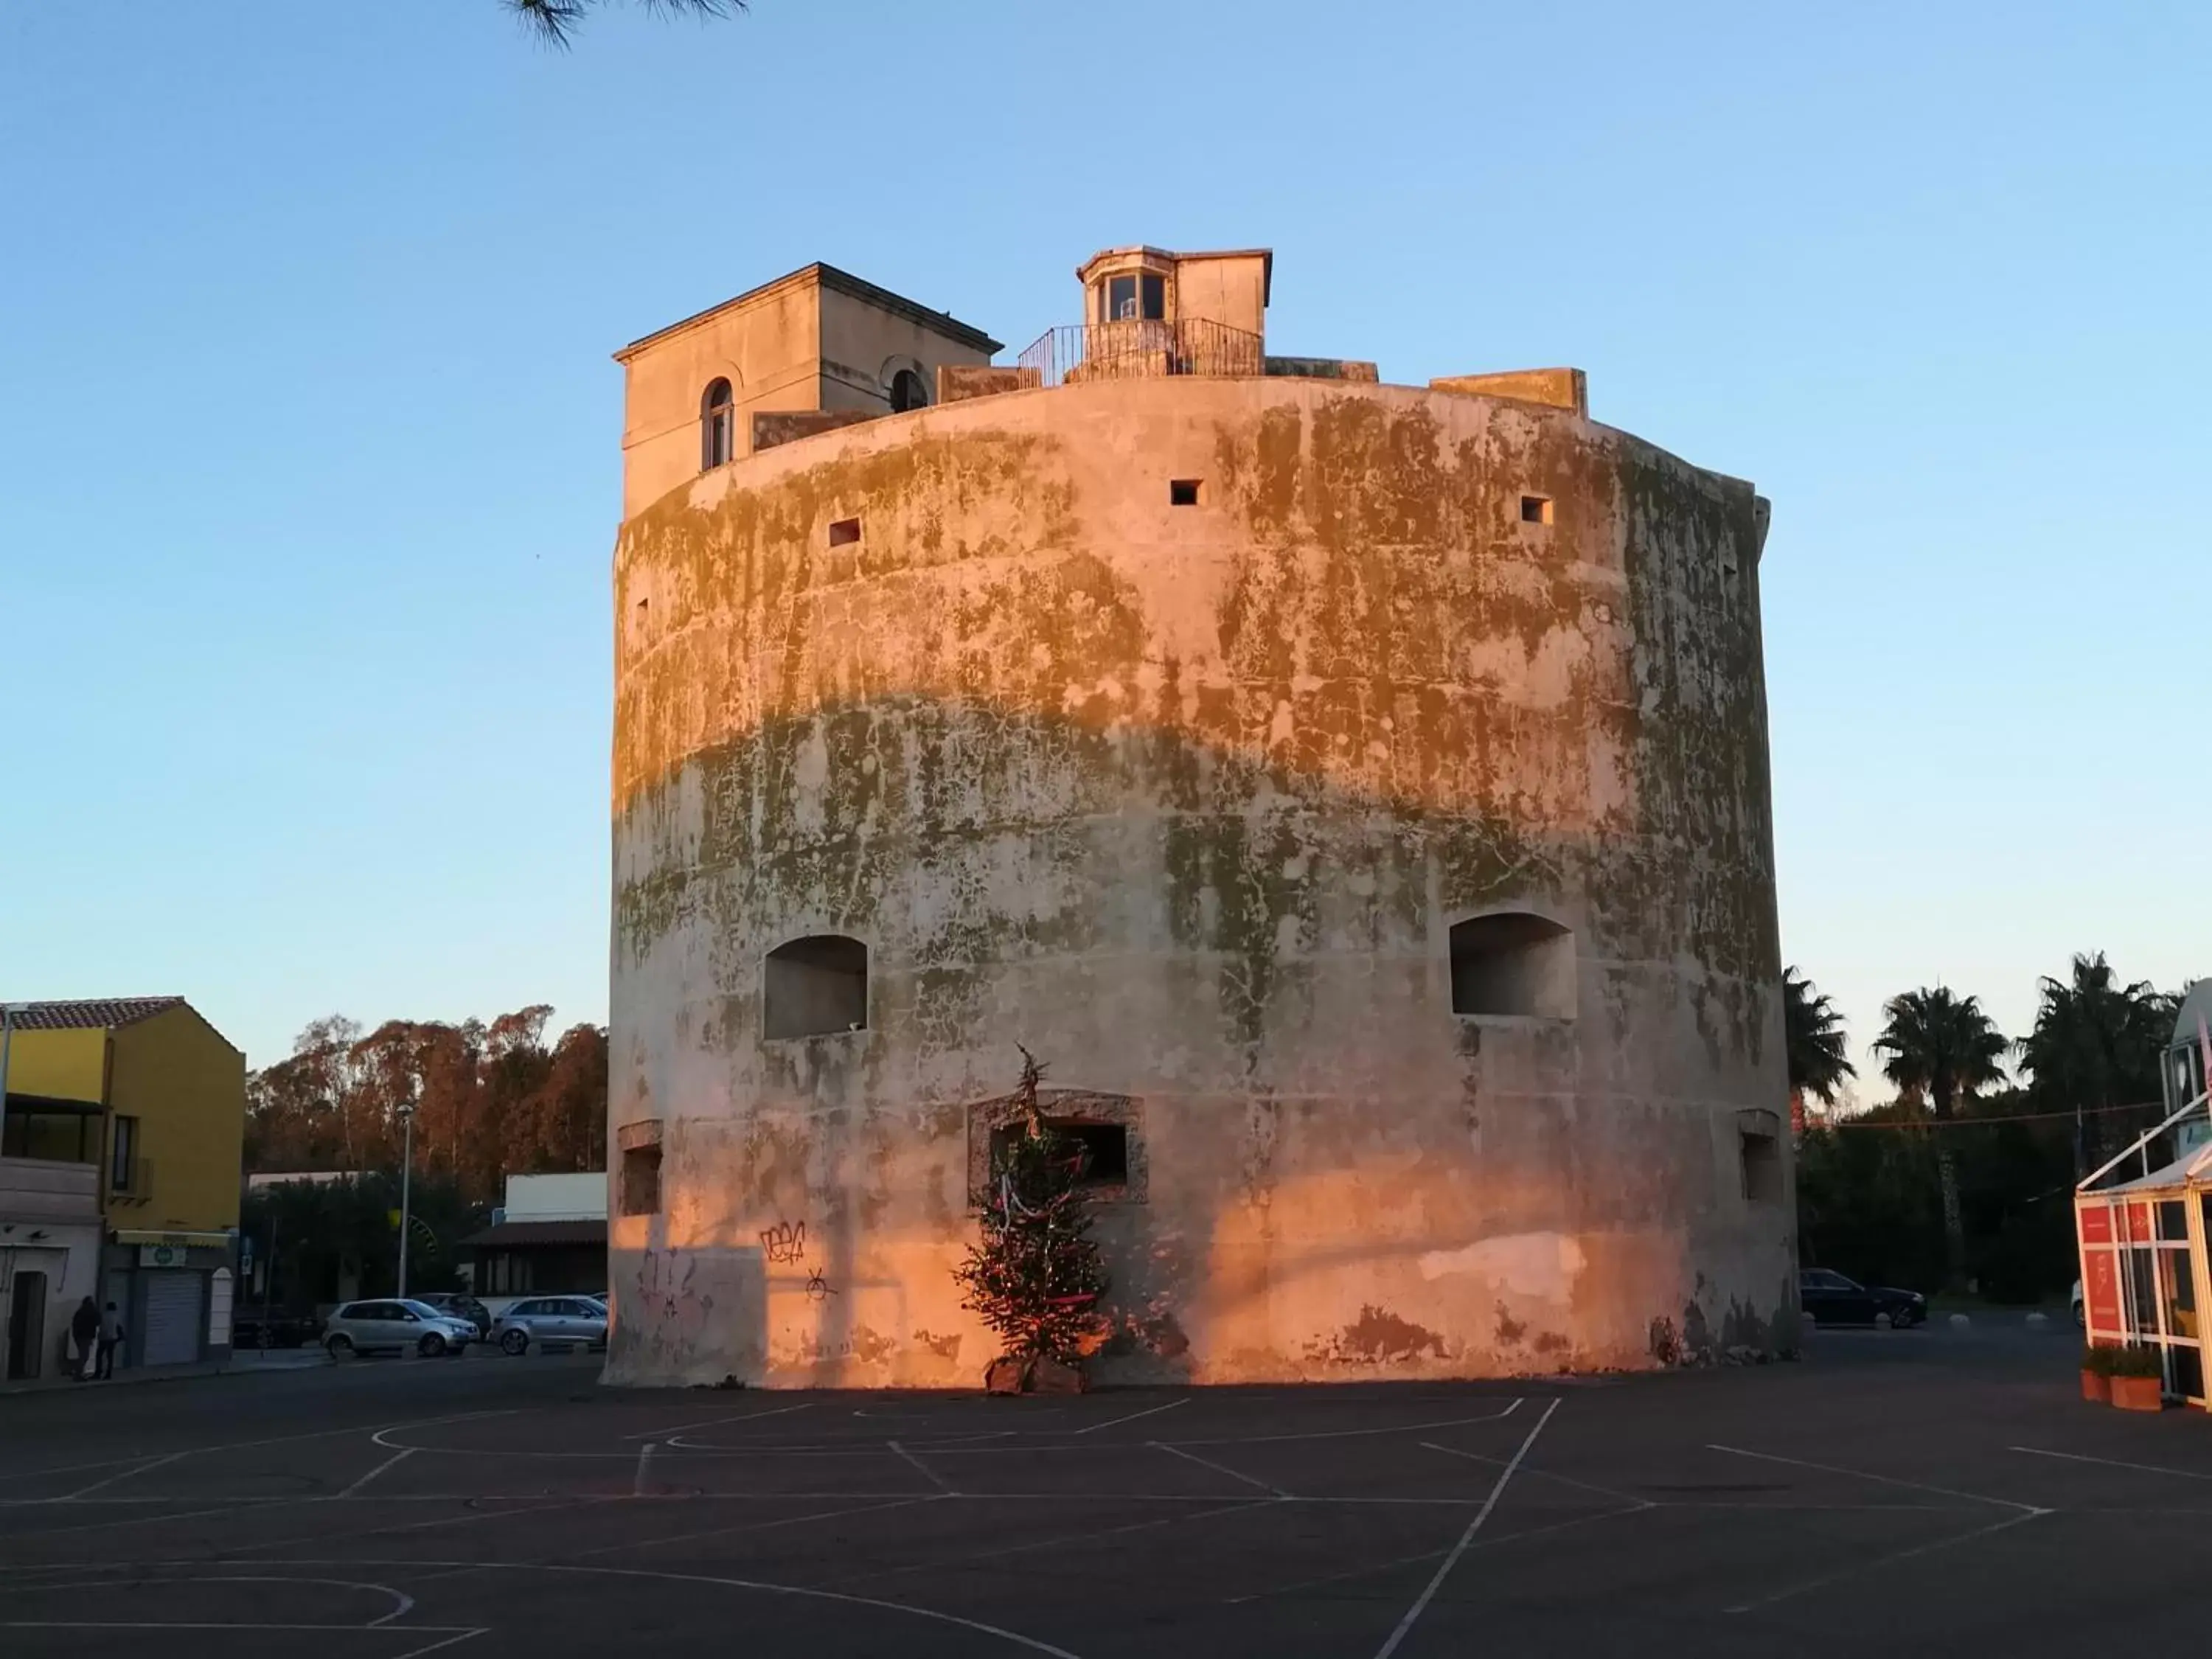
[[148, 1093]]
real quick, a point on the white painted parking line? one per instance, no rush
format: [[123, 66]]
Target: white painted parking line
[[1429, 1591], [1495, 1540], [2113, 1463], [1542, 1475], [998, 1553], [237, 1506], [942, 1484], [1889, 1559], [1512, 1406], [1218, 1468], [399, 1456], [753, 1526], [1884, 1480], [1154, 1411], [446, 1642], [123, 1474]]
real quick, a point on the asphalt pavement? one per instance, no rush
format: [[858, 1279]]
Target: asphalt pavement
[[1923, 1492]]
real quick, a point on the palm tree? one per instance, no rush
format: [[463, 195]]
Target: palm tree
[[554, 20], [2096, 1043], [1813, 1034], [1942, 1048]]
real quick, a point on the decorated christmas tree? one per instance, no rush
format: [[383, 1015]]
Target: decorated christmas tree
[[1035, 1278]]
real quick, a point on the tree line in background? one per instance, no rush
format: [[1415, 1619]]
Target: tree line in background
[[488, 1100], [1967, 1178]]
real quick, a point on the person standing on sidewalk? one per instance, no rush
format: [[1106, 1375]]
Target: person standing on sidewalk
[[84, 1332], [110, 1338]]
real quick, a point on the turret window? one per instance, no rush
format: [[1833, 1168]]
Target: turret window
[[718, 415], [907, 392], [1138, 297]]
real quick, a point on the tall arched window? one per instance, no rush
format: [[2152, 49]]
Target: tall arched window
[[718, 415], [907, 392]]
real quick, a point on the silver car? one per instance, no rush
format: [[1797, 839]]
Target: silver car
[[551, 1321], [393, 1326]]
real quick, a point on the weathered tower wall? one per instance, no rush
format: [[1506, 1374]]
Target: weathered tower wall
[[1187, 799]]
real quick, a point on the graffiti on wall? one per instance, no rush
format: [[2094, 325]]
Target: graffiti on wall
[[668, 1308]]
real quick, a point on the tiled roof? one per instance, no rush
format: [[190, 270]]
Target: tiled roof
[[94, 1014]]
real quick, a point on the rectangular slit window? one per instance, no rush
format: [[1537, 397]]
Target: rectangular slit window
[[1182, 492], [843, 533], [640, 1181], [1762, 1168], [1535, 509], [123, 1154]]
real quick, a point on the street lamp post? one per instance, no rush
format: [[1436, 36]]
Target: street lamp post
[[406, 1175]]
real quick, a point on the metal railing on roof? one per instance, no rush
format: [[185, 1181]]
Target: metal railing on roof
[[1143, 350]]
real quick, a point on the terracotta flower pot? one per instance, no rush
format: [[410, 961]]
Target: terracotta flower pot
[[2098, 1387], [2136, 1394]]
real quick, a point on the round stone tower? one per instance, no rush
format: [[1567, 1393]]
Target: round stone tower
[[1354, 795]]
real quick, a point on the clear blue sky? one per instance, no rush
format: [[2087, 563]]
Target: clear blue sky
[[308, 462]]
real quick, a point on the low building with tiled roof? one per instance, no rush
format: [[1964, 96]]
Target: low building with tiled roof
[[131, 1110]]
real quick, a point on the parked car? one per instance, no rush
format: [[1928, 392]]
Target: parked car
[[278, 1327], [551, 1321], [1829, 1299], [360, 1327], [454, 1305]]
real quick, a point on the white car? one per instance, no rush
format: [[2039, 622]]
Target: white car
[[394, 1327]]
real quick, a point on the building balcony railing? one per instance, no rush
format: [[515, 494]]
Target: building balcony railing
[[1143, 350]]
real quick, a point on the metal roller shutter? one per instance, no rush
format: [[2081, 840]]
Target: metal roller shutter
[[173, 1318]]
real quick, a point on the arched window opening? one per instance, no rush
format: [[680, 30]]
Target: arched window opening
[[816, 986], [1513, 963], [907, 392], [718, 417]]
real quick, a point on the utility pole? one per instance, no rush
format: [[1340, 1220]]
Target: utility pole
[[406, 1175]]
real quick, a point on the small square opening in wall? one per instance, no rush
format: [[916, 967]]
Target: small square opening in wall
[[640, 1181], [843, 533], [1105, 1148], [1535, 509], [1182, 492]]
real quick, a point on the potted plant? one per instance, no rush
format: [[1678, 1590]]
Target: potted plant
[[2097, 1373], [2137, 1379]]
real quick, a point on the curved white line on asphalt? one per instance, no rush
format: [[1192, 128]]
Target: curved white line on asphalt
[[957, 1445], [1031, 1642], [712, 1422], [402, 1603], [394, 1428]]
